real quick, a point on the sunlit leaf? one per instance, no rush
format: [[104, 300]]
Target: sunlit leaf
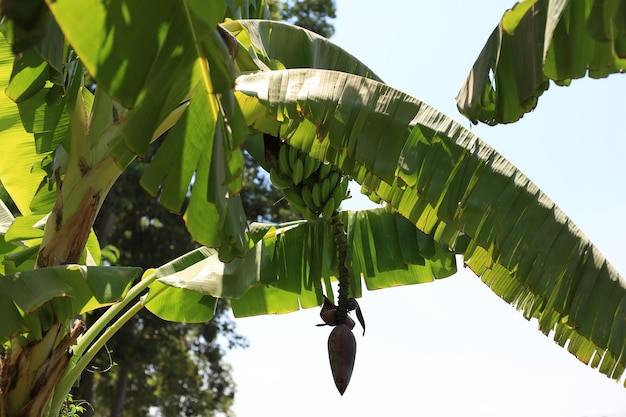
[[24, 228], [20, 169], [456, 188], [537, 41], [30, 73], [212, 277], [179, 304], [200, 162]]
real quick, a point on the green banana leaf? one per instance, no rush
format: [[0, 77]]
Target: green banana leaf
[[267, 44], [21, 169], [31, 301], [538, 41], [284, 268], [188, 62], [42, 114], [452, 185]]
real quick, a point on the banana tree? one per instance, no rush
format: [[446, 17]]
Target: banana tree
[[196, 86]]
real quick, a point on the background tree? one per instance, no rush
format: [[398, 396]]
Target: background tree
[[314, 15]]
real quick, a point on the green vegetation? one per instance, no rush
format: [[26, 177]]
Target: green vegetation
[[187, 89]]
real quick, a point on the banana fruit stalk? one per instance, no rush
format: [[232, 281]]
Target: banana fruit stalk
[[329, 315], [313, 188]]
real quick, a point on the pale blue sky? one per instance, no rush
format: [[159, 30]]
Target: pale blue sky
[[452, 348]]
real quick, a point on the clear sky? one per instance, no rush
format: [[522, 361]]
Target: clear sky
[[453, 348]]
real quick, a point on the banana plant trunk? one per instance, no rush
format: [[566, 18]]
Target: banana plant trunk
[[30, 373]]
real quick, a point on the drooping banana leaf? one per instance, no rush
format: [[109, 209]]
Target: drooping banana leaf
[[268, 44], [31, 301], [449, 183], [284, 268], [538, 41]]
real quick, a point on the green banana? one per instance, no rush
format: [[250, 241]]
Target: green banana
[[279, 179], [295, 208], [294, 197], [325, 190], [310, 166], [283, 160], [293, 155], [339, 194], [317, 194], [329, 208], [298, 171], [310, 215], [334, 180], [324, 170], [307, 196]]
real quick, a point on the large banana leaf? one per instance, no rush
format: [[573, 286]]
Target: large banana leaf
[[38, 123], [286, 265], [31, 301], [537, 41], [20, 169], [451, 184], [267, 44]]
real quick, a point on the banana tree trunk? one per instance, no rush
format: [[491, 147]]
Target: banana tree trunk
[[29, 374]]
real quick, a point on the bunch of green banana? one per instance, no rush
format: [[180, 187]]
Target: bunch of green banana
[[313, 188]]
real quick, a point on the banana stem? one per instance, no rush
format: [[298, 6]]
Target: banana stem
[[86, 339], [70, 378], [341, 240], [89, 345]]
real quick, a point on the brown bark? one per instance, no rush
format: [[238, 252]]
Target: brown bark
[[26, 387], [70, 236]]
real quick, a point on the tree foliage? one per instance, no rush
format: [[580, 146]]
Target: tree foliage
[[314, 15]]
